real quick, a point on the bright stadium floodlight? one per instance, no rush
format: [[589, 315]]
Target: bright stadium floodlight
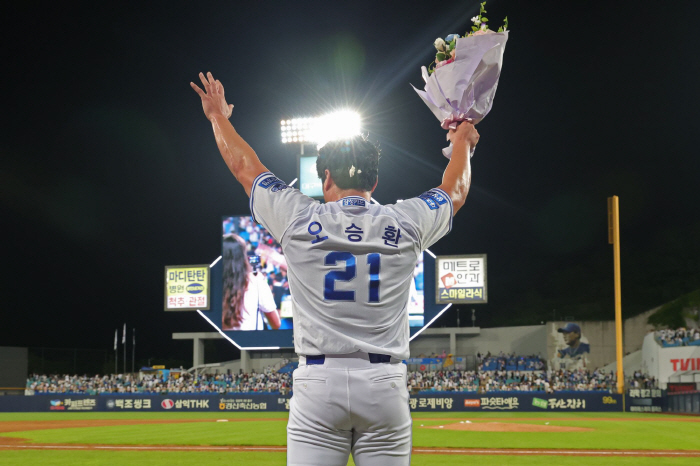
[[342, 124]]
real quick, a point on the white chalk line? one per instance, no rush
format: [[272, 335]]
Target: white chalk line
[[558, 452]]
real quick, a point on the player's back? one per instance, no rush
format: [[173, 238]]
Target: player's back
[[350, 266]]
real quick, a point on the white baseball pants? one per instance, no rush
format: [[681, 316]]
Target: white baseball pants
[[349, 405]]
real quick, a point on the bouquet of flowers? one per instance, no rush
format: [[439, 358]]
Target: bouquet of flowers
[[461, 84]]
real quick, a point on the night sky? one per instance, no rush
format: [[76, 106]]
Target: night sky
[[110, 171]]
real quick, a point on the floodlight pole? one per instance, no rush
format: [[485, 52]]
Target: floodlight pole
[[614, 239], [124, 344], [116, 354], [133, 348]]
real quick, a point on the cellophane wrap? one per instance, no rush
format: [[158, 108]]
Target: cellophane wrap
[[464, 89]]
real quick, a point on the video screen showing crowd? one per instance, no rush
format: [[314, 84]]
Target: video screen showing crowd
[[255, 288]]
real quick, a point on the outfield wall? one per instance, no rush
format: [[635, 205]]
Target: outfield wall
[[444, 402], [684, 402]]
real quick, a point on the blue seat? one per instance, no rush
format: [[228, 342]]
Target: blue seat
[[289, 367]]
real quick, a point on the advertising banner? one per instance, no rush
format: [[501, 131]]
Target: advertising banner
[[678, 361], [460, 279], [645, 400], [145, 403], [681, 387], [494, 401], [58, 402], [518, 401], [186, 287], [224, 402]]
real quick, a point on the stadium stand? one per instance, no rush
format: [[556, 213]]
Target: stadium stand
[[510, 362], [670, 338], [270, 381], [265, 382], [503, 380], [288, 368]]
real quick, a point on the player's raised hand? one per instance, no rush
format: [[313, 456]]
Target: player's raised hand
[[213, 100], [466, 132]]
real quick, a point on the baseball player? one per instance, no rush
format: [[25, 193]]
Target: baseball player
[[572, 337], [350, 266]]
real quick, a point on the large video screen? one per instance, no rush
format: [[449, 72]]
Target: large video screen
[[309, 182], [256, 292]]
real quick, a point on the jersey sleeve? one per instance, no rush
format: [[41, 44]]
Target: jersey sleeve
[[431, 215], [274, 205]]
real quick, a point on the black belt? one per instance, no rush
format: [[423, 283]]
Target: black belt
[[374, 358]]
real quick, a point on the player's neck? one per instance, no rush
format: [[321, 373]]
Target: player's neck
[[334, 194]]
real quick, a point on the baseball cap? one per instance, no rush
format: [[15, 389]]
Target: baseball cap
[[570, 327]]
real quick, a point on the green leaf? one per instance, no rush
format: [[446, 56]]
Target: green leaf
[[484, 20], [474, 28], [440, 56], [500, 29]]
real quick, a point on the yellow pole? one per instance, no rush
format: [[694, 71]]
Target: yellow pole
[[614, 239]]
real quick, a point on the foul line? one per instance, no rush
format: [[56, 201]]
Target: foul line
[[429, 451]]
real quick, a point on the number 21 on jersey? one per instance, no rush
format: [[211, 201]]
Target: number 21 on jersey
[[349, 274]]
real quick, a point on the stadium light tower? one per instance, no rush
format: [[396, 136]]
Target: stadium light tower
[[342, 124], [317, 131]]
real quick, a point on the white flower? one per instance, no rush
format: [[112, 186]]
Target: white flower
[[439, 44], [476, 20], [484, 26]]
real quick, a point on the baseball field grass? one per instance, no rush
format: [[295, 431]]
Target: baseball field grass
[[259, 438]]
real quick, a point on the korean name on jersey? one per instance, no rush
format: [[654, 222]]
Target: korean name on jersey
[[350, 264]]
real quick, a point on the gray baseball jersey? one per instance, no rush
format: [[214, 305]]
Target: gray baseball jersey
[[350, 264]]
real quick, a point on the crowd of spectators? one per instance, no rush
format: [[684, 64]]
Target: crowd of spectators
[[678, 337], [641, 380], [501, 380], [271, 381], [274, 382], [509, 362], [267, 381]]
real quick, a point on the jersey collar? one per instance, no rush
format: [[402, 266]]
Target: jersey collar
[[353, 201]]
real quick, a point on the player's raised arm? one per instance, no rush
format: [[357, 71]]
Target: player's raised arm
[[238, 155], [458, 174]]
